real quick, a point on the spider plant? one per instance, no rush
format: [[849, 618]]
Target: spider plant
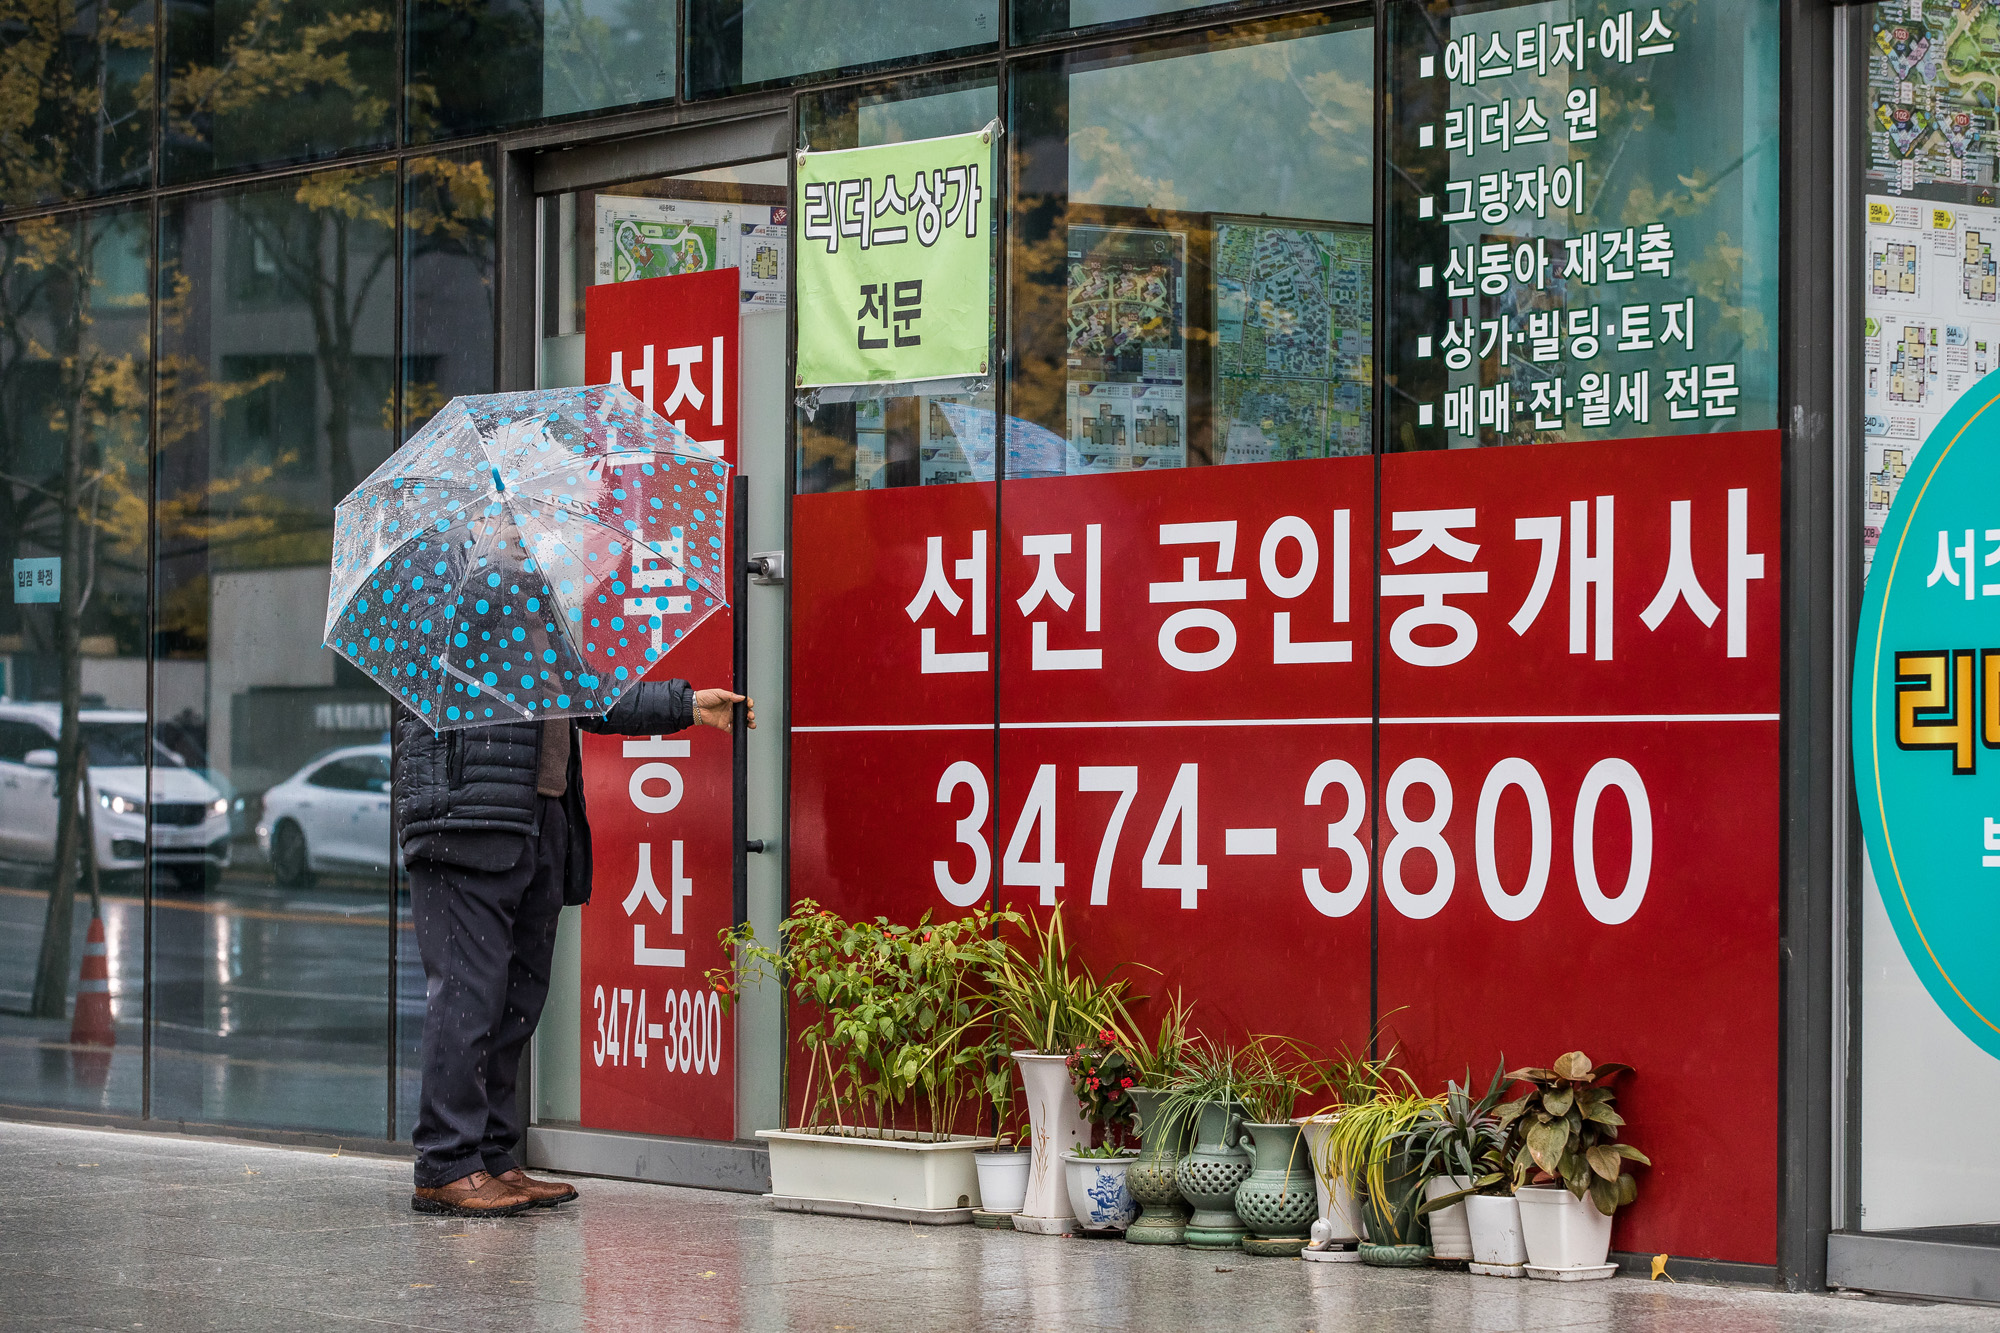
[[1157, 1062], [1048, 1000], [1365, 1142]]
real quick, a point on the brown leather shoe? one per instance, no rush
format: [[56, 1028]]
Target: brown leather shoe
[[545, 1193], [476, 1195]]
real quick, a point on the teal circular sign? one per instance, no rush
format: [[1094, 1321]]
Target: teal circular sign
[[1927, 715]]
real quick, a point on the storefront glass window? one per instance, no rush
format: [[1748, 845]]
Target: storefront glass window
[[1037, 20], [484, 67], [1177, 301], [736, 45], [89, 128], [253, 84], [1930, 333], [848, 440], [1584, 222], [272, 953], [75, 359]]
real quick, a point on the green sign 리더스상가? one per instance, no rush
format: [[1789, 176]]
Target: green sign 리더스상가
[[895, 261], [1926, 715]]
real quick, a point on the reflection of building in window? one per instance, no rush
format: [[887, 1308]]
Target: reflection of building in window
[[1977, 273]]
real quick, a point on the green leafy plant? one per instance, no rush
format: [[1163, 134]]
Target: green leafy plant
[[901, 1036], [1565, 1128], [1462, 1137], [1101, 1151], [1047, 1000], [1209, 1071], [1274, 1074], [1348, 1079]]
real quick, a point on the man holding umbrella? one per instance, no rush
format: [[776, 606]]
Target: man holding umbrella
[[511, 575], [494, 832]]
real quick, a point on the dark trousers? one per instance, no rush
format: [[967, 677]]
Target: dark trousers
[[487, 938]]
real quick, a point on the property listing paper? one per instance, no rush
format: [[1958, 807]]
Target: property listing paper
[[1127, 353], [641, 237], [1931, 314]]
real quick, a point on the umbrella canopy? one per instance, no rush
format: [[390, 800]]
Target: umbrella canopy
[[528, 555]]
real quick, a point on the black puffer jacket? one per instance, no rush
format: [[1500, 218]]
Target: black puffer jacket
[[475, 787]]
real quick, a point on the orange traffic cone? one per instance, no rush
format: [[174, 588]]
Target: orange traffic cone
[[91, 1025]]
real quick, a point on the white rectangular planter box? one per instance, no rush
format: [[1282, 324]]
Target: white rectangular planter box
[[908, 1180]]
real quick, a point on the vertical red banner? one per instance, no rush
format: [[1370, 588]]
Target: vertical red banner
[[659, 1055]]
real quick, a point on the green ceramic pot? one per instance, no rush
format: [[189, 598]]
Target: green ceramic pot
[[1209, 1174], [1277, 1200], [1163, 1213], [1391, 1220], [1396, 1256]]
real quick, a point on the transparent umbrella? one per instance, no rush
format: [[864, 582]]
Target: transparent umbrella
[[528, 555]]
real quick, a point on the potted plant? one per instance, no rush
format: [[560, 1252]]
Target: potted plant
[[1345, 1080], [1102, 1079], [1458, 1145], [1046, 1002], [1163, 1140], [1368, 1147], [1207, 1094], [897, 1051], [1003, 1168], [1568, 1167], [1276, 1201]]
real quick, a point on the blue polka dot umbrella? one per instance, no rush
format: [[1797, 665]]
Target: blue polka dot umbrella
[[528, 555]]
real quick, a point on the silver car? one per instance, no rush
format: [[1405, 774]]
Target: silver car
[[331, 815], [190, 818]]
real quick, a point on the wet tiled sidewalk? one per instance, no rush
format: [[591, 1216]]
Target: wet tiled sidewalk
[[124, 1231]]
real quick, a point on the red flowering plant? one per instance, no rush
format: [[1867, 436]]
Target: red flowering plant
[[1103, 1079]]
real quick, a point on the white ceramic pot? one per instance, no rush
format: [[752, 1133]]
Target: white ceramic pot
[[869, 1176], [1449, 1237], [1336, 1206], [1494, 1223], [1563, 1234], [1098, 1193], [1057, 1127], [1003, 1180]]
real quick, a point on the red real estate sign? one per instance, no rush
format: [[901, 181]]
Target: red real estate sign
[[659, 1055], [1549, 792]]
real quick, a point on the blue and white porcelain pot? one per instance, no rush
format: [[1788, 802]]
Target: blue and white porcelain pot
[[1098, 1193]]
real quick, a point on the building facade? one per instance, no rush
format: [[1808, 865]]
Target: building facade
[[1397, 571]]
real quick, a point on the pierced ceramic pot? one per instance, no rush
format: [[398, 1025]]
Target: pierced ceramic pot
[[1163, 1213], [1276, 1201], [1209, 1175], [1098, 1193]]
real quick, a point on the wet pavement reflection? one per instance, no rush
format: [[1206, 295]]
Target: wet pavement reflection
[[168, 1233], [280, 1007]]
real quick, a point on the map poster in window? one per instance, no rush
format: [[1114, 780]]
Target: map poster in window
[[1294, 327], [1127, 305], [661, 238]]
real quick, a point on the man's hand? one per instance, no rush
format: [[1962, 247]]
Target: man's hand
[[714, 708]]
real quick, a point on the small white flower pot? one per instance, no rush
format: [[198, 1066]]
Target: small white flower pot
[[1003, 1180], [1098, 1193], [1450, 1238], [1494, 1225], [1567, 1238]]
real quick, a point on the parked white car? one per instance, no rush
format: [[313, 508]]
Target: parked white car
[[190, 818], [333, 814]]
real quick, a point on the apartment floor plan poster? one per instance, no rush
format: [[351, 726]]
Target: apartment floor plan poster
[[659, 238], [1932, 67], [1123, 427], [1931, 331], [955, 438], [1294, 323], [762, 251]]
